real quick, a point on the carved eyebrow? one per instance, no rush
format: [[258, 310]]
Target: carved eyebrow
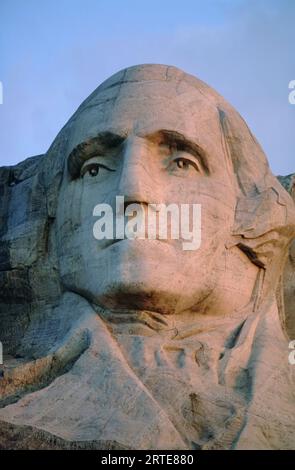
[[103, 142], [107, 140], [174, 138]]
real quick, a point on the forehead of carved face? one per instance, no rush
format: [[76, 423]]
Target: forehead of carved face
[[151, 141], [148, 113]]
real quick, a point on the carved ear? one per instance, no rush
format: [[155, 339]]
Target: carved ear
[[265, 213], [264, 225], [263, 229]]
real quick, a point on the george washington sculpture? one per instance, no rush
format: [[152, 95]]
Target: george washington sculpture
[[138, 343]]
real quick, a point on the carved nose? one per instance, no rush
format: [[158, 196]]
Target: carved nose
[[136, 182]]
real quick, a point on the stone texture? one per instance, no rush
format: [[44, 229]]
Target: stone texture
[[289, 272], [139, 344]]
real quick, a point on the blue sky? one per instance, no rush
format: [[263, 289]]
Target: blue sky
[[53, 53]]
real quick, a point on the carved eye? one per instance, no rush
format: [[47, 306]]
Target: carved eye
[[185, 164], [93, 169]]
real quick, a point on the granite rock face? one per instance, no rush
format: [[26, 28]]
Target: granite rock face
[[289, 272], [139, 343]]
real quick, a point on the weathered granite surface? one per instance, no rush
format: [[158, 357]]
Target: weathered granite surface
[[289, 272], [139, 344]]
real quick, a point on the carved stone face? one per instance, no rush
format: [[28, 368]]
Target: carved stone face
[[128, 139]]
